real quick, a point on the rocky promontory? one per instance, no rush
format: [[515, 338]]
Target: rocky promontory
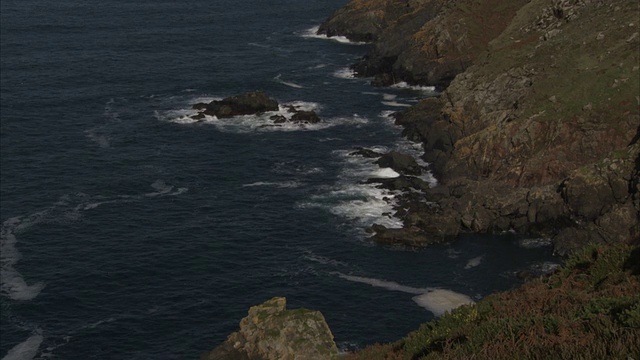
[[536, 130], [270, 331]]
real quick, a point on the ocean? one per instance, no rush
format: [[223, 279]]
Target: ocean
[[131, 231]]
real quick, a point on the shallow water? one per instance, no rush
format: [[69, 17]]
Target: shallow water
[[130, 232]]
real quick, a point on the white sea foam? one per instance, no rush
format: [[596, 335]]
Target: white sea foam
[[12, 284], [438, 301], [384, 173], [535, 243], [474, 262], [282, 184], [26, 350], [360, 203], [344, 73], [363, 204], [66, 209], [278, 79], [389, 97], [261, 122], [416, 150], [424, 89], [388, 115], [395, 104], [312, 33]]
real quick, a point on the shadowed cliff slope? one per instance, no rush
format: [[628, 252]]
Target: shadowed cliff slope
[[538, 131]]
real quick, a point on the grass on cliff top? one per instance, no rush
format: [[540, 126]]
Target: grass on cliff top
[[590, 309]]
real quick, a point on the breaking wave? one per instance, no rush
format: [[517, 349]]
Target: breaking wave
[[264, 122], [312, 33]]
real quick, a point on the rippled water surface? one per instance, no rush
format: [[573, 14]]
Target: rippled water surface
[[131, 232]]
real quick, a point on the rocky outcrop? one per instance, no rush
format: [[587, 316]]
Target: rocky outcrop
[[244, 104], [399, 162], [538, 133], [254, 103], [270, 332]]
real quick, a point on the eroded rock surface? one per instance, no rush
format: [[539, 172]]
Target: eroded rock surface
[[271, 332], [244, 104]]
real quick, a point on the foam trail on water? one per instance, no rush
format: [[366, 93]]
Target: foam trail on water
[[474, 262], [389, 285], [26, 350], [312, 33], [364, 204], [345, 73], [282, 184], [437, 301], [534, 243], [12, 284], [68, 208], [287, 83], [425, 89]]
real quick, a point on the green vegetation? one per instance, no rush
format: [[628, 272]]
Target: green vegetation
[[589, 309]]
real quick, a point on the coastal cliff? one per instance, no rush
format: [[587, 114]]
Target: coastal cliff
[[536, 130]]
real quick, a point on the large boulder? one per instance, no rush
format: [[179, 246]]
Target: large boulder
[[270, 332], [245, 104], [402, 163]]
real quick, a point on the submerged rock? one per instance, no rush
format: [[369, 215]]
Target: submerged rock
[[270, 332]]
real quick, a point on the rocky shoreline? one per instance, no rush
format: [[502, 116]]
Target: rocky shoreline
[[536, 130]]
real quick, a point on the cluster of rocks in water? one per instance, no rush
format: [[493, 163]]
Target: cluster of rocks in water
[[253, 103]]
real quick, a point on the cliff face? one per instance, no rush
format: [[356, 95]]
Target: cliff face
[[539, 130], [420, 41]]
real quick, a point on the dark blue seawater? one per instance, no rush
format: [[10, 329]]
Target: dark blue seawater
[[130, 232]]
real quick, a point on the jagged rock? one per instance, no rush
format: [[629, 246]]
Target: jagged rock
[[301, 116], [244, 104], [270, 332], [367, 153], [409, 236], [399, 162], [278, 119]]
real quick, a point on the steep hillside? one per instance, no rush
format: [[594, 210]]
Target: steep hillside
[[590, 309], [540, 134]]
